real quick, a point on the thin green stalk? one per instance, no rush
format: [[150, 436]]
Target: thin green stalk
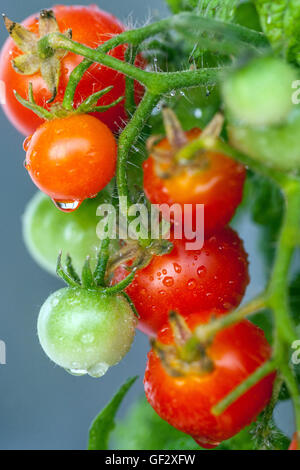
[[128, 137], [258, 375], [130, 105], [206, 332], [121, 285], [217, 145], [278, 287]]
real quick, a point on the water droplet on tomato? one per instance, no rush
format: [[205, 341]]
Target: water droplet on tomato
[[177, 268], [168, 281], [76, 372], [201, 271], [164, 271], [67, 206], [98, 370], [26, 143], [191, 284]]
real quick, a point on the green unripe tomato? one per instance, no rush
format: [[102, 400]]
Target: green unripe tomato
[[85, 331], [47, 231], [259, 93], [276, 146]]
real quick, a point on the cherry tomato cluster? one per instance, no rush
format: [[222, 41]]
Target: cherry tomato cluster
[[90, 325]]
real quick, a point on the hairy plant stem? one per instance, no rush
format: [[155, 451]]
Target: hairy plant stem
[[233, 33]]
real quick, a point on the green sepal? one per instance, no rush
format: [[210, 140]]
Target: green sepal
[[63, 275], [34, 58], [87, 278]]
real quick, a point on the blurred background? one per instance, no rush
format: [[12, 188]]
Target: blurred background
[[41, 406]]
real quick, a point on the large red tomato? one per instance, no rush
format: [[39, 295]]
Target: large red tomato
[[213, 278], [186, 401], [90, 26]]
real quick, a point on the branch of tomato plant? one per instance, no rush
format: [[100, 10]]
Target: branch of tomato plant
[[130, 105], [234, 35], [204, 333], [276, 298]]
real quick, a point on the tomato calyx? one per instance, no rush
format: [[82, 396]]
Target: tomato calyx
[[134, 255], [33, 61], [37, 57], [93, 280], [187, 355], [181, 154]]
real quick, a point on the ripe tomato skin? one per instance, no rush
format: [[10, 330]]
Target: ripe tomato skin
[[186, 402], [90, 26], [294, 444], [71, 159], [213, 278], [219, 186]]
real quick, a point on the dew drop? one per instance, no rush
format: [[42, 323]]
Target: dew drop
[[164, 271], [77, 372], [177, 268], [191, 284], [201, 271], [98, 370], [87, 338], [26, 143], [168, 281], [67, 206]]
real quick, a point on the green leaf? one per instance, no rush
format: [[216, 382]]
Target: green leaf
[[143, 429], [104, 423], [221, 9], [280, 20]]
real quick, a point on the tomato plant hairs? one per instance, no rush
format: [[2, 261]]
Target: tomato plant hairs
[[236, 39]]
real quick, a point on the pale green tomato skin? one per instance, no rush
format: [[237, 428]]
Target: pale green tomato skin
[[47, 231], [85, 331], [275, 146], [259, 93]]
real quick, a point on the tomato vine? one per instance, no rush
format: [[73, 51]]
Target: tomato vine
[[236, 40], [159, 83]]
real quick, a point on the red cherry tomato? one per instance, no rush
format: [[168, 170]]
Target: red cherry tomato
[[71, 159], [90, 26], [214, 277], [294, 443], [186, 401], [218, 184]]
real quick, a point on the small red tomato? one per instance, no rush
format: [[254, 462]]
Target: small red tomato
[[91, 27], [213, 278], [294, 443], [213, 179], [185, 401], [71, 159]]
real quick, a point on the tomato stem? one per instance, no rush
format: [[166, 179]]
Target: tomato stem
[[208, 331], [130, 105], [103, 257], [258, 375], [121, 285]]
